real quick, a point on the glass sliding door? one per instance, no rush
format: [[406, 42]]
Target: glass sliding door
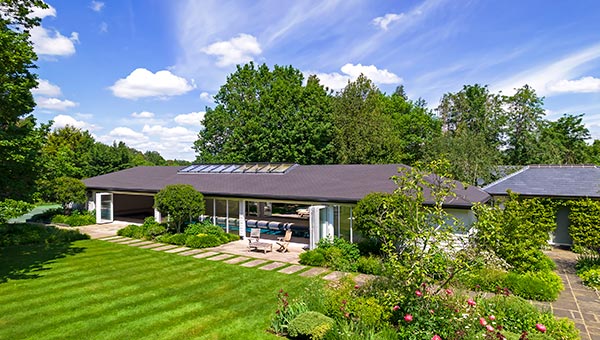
[[104, 207]]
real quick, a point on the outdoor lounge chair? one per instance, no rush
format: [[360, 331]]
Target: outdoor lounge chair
[[284, 242]]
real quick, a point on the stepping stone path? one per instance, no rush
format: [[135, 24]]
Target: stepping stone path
[[220, 257], [167, 247], [177, 250], [334, 276], [143, 243], [313, 272], [119, 239], [191, 252], [207, 254], [152, 245], [130, 241], [253, 263], [292, 269], [272, 266], [110, 238], [236, 260]]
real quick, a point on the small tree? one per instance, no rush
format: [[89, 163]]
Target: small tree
[[69, 191], [181, 202], [11, 209]]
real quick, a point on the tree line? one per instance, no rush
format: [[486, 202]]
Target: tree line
[[274, 115]]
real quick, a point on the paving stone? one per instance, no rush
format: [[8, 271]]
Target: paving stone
[[166, 247], [334, 276], [177, 250], [253, 263], [130, 241], [576, 315], [114, 240], [292, 269], [206, 254], [361, 279], [273, 265], [562, 313], [110, 238], [139, 244], [220, 257], [152, 245], [313, 272], [191, 252], [236, 260], [565, 305]]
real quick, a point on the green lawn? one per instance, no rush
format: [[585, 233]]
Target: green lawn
[[99, 290]]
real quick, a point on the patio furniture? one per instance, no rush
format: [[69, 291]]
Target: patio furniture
[[254, 235], [264, 246], [284, 242]]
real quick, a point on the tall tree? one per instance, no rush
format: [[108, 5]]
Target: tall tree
[[66, 152], [525, 114], [364, 133], [267, 115], [20, 140], [564, 141]]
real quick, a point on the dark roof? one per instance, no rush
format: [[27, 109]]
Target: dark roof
[[320, 183], [562, 181]]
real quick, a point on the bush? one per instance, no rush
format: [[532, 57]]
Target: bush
[[541, 286], [133, 231], [310, 324], [46, 216], [202, 241], [76, 219], [591, 277], [584, 218], [11, 209], [28, 234], [587, 260], [178, 239], [315, 257], [369, 265]]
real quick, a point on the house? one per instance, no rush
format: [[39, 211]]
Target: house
[[552, 181], [314, 201]]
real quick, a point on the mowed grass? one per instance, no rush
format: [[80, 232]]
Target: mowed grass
[[100, 290]]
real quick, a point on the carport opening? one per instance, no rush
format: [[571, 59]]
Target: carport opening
[[132, 208]]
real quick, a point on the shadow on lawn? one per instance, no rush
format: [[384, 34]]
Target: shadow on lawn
[[26, 262]]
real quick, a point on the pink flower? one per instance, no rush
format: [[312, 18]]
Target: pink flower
[[356, 286], [482, 322], [449, 291], [492, 317], [471, 302], [347, 315], [436, 337], [540, 327], [418, 292], [396, 307], [489, 328], [431, 311], [408, 318]]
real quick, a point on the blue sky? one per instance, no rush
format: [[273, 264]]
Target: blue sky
[[144, 71]]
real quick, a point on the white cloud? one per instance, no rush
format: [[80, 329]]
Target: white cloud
[[97, 6], [376, 75], [43, 12], [192, 118], [84, 115], [46, 88], [206, 96], [143, 114], [64, 120], [103, 27], [544, 78], [143, 83], [237, 50], [54, 103], [125, 133], [582, 85], [387, 19], [51, 42], [350, 72], [174, 134]]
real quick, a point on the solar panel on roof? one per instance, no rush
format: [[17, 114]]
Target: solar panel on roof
[[219, 168], [230, 168], [282, 168], [187, 168], [252, 168], [199, 168]]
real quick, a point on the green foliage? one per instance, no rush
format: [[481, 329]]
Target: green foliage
[[584, 218], [313, 325], [369, 265], [286, 312], [69, 191], [76, 219], [20, 140], [149, 230], [10, 208], [540, 285], [203, 240], [517, 231], [591, 277], [133, 231], [180, 202], [337, 254], [564, 141], [26, 234], [587, 260], [268, 116]]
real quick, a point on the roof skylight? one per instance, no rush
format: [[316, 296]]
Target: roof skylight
[[249, 168]]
